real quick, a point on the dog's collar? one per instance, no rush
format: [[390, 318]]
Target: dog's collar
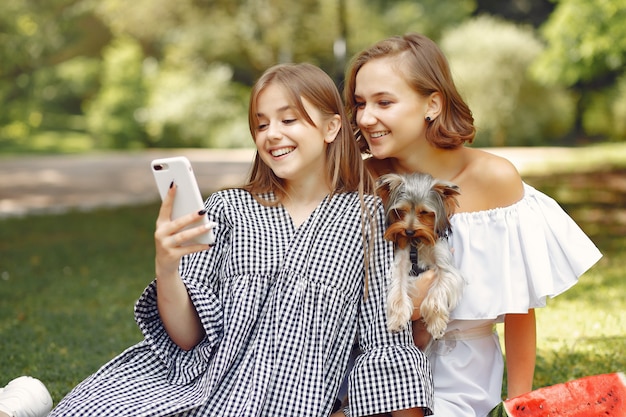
[[415, 269]]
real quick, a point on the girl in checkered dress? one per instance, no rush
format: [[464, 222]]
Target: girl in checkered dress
[[262, 323]]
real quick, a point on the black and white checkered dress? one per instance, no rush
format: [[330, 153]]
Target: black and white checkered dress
[[281, 307]]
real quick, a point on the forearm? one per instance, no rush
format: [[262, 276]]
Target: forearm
[[520, 341], [178, 314]]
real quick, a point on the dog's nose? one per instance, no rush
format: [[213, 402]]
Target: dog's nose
[[409, 232]]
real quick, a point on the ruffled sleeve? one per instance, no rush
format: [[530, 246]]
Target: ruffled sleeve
[[391, 373], [513, 258], [199, 273], [183, 366]]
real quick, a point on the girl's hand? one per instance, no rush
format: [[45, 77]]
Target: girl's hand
[[420, 289], [171, 242]]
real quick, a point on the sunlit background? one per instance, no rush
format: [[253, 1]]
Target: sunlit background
[[77, 75]]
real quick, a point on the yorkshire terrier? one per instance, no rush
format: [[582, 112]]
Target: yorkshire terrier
[[418, 208]]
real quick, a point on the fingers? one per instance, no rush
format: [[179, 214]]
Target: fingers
[[172, 242], [187, 236], [181, 232], [169, 232]]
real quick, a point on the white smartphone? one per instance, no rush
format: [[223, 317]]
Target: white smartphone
[[188, 198]]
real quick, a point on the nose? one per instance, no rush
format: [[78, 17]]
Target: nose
[[365, 117], [409, 232], [273, 131]]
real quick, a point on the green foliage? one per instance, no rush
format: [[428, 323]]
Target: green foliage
[[195, 106], [490, 60], [35, 38], [605, 114], [111, 116], [586, 42], [54, 52]]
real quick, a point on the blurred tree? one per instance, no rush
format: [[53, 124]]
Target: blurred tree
[[111, 116], [36, 37], [194, 106], [490, 59], [243, 38], [54, 68], [534, 12], [586, 51]]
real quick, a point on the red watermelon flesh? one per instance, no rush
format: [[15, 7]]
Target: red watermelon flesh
[[598, 395]]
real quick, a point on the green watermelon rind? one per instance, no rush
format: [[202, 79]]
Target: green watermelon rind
[[536, 403]]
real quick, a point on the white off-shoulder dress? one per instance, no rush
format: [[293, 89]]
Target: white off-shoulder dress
[[281, 307], [512, 259]]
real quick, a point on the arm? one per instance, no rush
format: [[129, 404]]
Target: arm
[[421, 337], [179, 316], [520, 343], [421, 289], [388, 360]]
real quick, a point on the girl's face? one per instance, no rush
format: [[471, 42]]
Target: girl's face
[[389, 113], [293, 149]]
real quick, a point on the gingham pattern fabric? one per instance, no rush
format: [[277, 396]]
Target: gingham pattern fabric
[[281, 307]]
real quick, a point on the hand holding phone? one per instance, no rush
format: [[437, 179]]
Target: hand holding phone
[[188, 198]]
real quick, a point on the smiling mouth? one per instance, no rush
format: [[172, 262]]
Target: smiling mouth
[[376, 135], [282, 151]]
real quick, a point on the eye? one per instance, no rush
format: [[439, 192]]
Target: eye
[[359, 105], [261, 126], [384, 103], [289, 121]]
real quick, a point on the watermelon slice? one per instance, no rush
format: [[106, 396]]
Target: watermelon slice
[[598, 395]]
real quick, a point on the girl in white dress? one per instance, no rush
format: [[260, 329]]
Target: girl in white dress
[[262, 323], [514, 245]]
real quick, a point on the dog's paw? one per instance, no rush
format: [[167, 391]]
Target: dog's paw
[[437, 327], [435, 315], [399, 311]]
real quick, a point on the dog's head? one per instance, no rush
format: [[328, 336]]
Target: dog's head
[[418, 207]]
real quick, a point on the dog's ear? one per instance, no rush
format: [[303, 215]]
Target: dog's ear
[[448, 192], [386, 184]]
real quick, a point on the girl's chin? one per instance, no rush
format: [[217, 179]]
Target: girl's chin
[[379, 153]]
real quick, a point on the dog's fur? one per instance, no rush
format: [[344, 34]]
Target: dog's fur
[[418, 208]]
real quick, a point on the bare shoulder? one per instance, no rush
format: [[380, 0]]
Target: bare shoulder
[[494, 181]]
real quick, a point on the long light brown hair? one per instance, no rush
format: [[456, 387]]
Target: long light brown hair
[[425, 68], [343, 157]]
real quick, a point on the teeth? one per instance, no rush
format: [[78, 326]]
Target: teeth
[[282, 151], [379, 134]]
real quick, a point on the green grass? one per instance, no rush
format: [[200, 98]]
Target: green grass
[[68, 284]]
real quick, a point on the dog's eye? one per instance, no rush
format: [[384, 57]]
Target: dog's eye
[[424, 213]]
